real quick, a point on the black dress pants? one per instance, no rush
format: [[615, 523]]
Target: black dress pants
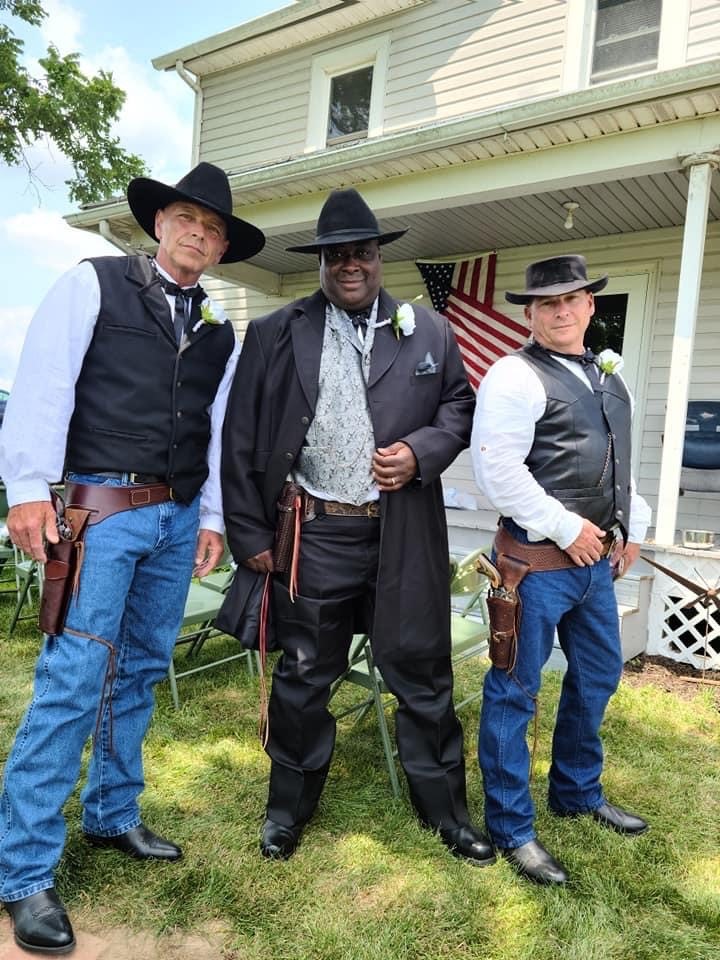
[[336, 593]]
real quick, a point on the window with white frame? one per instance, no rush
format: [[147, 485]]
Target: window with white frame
[[347, 90], [627, 38], [349, 108], [608, 40]]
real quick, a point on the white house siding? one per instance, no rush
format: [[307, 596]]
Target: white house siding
[[658, 250], [454, 58], [255, 114], [703, 30], [447, 59]]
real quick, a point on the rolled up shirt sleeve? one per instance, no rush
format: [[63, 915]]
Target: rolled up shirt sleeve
[[510, 401]]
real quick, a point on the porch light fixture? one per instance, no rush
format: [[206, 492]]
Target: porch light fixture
[[570, 206]]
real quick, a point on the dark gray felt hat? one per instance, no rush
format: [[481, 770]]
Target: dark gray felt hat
[[555, 276]]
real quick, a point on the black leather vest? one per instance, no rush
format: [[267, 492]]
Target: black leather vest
[[581, 451], [140, 404]]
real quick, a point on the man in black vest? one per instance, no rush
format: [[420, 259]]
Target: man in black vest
[[551, 451], [122, 387]]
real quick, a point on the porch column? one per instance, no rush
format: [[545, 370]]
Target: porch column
[[691, 262]]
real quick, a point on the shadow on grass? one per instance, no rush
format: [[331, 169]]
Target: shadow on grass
[[367, 882]]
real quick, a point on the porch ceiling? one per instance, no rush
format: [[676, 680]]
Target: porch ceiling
[[621, 206]]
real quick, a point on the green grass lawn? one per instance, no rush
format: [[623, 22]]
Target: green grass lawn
[[367, 882]]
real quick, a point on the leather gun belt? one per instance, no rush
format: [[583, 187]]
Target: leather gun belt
[[542, 556], [103, 501]]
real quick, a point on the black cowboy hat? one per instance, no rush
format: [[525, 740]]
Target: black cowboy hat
[[209, 187], [345, 218], [558, 275]]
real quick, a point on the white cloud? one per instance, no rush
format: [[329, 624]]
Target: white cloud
[[62, 26], [49, 242], [155, 120]]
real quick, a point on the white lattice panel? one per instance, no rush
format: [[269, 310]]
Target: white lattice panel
[[678, 625]]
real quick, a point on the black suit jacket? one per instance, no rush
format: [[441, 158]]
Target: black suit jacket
[[270, 408]]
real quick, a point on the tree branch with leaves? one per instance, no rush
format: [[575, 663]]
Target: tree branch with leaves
[[75, 112]]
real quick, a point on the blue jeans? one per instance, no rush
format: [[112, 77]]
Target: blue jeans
[[581, 604], [133, 585]]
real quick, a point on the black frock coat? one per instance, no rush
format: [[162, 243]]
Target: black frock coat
[[270, 408]]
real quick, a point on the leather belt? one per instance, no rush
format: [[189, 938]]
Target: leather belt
[[542, 556], [104, 501], [314, 507], [142, 478]]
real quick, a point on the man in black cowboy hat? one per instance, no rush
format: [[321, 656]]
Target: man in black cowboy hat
[[122, 385], [362, 401], [551, 451]]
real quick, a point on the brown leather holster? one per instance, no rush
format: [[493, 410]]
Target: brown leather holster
[[289, 507], [62, 569], [85, 504], [504, 611]]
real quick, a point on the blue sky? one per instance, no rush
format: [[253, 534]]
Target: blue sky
[[156, 121]]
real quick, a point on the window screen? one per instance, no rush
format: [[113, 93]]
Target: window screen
[[627, 34]]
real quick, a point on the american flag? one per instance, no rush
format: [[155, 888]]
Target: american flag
[[462, 291]]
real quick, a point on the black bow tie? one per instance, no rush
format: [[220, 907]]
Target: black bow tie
[[173, 290], [359, 317], [587, 357]]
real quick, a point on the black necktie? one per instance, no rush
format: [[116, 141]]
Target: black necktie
[[182, 295]]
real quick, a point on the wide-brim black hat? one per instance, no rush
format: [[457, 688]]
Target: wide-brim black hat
[[346, 218], [555, 276], [206, 185]]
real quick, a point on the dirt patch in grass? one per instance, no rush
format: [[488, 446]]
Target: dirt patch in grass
[[681, 679]]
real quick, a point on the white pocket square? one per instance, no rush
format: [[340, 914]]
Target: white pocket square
[[426, 366]]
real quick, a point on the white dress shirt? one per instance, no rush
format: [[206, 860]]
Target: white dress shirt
[[510, 401], [42, 399]]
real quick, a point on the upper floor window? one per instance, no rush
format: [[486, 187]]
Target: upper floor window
[[627, 38], [349, 112], [347, 93], [607, 40]]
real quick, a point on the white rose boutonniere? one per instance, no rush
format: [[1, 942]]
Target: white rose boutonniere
[[609, 362], [211, 314], [403, 320]]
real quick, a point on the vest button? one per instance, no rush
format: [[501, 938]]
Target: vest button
[[619, 514], [617, 486], [291, 456], [179, 383], [305, 420], [179, 414]]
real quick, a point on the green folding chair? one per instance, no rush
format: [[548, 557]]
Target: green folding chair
[[28, 574], [201, 607]]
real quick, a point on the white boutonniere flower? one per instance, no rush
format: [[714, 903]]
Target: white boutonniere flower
[[403, 319], [609, 362], [211, 314]]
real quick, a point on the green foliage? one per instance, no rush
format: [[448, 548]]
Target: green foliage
[[74, 111]]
